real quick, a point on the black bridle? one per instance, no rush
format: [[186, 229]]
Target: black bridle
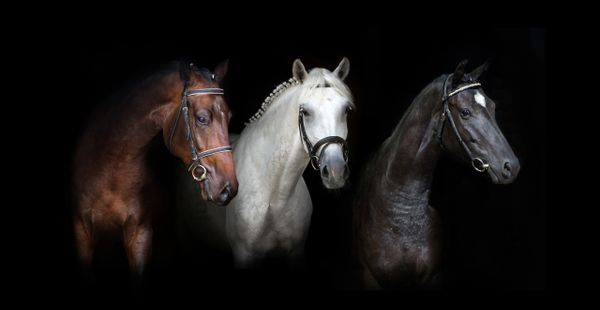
[[313, 149], [478, 164], [196, 157]]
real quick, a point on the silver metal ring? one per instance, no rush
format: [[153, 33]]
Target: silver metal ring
[[313, 160], [479, 165], [201, 177]]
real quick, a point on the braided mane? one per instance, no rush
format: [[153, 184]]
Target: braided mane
[[272, 96]]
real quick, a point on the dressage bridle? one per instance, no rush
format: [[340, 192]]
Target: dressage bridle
[[314, 149], [196, 157], [478, 164]]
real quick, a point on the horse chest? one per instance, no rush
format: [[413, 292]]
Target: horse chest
[[271, 226], [401, 262], [112, 194], [402, 245], [282, 220]]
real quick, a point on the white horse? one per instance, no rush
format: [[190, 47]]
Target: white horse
[[303, 120]]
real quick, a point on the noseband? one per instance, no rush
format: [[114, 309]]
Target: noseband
[[478, 164], [313, 149], [196, 157]]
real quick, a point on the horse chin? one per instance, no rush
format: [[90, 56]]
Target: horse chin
[[218, 203]]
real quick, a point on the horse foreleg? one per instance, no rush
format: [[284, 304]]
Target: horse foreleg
[[435, 282], [368, 280], [243, 258], [137, 239], [84, 242], [296, 258]]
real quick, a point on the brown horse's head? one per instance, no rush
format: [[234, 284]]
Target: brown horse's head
[[474, 115], [203, 127]]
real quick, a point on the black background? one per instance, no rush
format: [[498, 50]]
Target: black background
[[495, 235]]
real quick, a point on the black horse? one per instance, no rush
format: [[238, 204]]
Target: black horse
[[397, 234]]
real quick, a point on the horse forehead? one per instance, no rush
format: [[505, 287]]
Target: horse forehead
[[480, 98], [327, 96], [219, 105], [474, 96], [208, 102]]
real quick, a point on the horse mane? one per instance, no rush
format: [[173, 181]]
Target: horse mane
[[317, 77], [114, 103], [421, 98], [148, 77], [270, 98], [109, 115]]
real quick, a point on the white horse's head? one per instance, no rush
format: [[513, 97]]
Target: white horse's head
[[325, 101]]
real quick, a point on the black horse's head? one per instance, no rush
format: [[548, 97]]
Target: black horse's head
[[471, 131]]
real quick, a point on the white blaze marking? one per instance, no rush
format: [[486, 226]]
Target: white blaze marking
[[479, 99]]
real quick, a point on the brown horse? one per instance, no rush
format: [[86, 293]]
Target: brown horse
[[115, 192], [397, 233]]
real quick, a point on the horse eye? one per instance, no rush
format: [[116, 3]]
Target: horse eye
[[348, 109], [202, 119], [464, 113], [213, 77]]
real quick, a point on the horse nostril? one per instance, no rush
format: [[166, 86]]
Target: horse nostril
[[224, 195], [346, 171], [506, 172], [325, 172]]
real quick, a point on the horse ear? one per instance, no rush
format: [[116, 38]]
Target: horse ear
[[475, 74], [299, 71], [459, 72], [221, 70], [185, 70], [343, 68]]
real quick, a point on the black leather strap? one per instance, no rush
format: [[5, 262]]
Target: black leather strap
[[325, 141], [475, 161], [183, 109], [313, 149], [183, 103]]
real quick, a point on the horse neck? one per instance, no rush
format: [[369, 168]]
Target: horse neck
[[411, 153], [276, 145], [136, 125]]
